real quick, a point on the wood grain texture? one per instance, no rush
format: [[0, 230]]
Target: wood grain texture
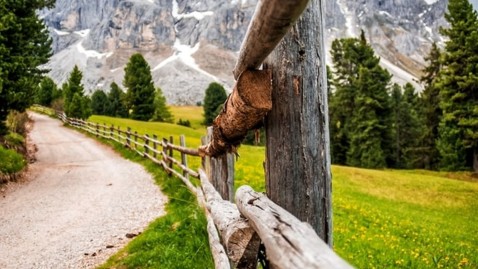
[[238, 237], [289, 242], [298, 174], [270, 22], [221, 261], [243, 110]]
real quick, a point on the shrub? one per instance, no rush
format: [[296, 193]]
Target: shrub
[[58, 104], [182, 122], [10, 162], [14, 140], [16, 122]]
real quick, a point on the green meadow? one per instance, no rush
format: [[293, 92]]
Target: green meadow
[[382, 218]]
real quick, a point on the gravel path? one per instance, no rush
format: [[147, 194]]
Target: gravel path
[[81, 200]]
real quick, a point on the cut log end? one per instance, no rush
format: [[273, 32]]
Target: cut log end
[[244, 110]]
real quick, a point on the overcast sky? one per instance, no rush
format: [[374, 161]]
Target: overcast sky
[[475, 3]]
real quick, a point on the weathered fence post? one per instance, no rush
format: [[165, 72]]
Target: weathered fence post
[[171, 141], [128, 137], [297, 152], [221, 172], [184, 158], [112, 132], [119, 133], [135, 140], [165, 154], [205, 159], [104, 129], [155, 146], [146, 146], [97, 129]]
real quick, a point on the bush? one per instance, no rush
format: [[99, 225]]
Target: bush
[[16, 122], [58, 104], [10, 162], [14, 140], [182, 122]]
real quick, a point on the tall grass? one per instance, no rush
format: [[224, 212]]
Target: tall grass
[[11, 162]]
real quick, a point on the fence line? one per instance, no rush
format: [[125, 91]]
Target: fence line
[[235, 230]]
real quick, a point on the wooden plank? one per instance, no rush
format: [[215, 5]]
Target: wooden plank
[[239, 238], [289, 242], [165, 154], [221, 260], [184, 168], [298, 176], [272, 19], [221, 171], [171, 142], [188, 151], [184, 159], [155, 145]]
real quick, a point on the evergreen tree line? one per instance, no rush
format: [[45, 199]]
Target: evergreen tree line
[[377, 124], [141, 100], [24, 46]]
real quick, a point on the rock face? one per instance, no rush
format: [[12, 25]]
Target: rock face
[[190, 44]]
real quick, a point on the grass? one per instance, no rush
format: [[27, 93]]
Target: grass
[[382, 218], [404, 219], [192, 113], [176, 240], [11, 162]]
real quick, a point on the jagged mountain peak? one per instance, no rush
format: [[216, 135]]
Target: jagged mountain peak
[[189, 44]]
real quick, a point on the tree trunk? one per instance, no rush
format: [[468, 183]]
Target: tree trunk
[[297, 154]]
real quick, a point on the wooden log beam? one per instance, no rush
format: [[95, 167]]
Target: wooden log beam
[[270, 22], [244, 110], [221, 260], [289, 242], [241, 241]]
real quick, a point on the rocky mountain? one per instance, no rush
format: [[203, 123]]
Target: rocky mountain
[[189, 44]]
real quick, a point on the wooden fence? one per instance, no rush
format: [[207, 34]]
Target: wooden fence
[[236, 230]]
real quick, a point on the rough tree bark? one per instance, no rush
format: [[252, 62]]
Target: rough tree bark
[[297, 148], [244, 109], [289, 242]]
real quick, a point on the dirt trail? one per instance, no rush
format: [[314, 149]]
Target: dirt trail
[[80, 202]]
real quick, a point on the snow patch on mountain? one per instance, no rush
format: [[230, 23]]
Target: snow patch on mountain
[[431, 2], [195, 14], [349, 18]]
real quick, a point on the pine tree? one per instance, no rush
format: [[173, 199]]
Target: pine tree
[[359, 105], [46, 92], [161, 110], [99, 103], [24, 46], [370, 121], [140, 88], [407, 126], [430, 109], [458, 84], [215, 97], [71, 87], [116, 100]]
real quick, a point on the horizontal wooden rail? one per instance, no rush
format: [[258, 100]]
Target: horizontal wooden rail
[[270, 22], [235, 230], [239, 238], [289, 242]]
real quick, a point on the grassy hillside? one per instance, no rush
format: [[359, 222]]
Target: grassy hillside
[[192, 113], [382, 219]]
